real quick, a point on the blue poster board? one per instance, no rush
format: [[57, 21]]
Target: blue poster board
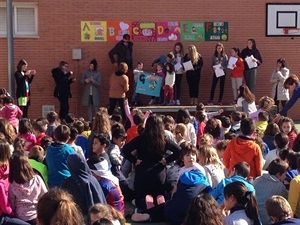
[[148, 84]]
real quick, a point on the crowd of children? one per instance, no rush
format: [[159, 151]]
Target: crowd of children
[[160, 162], [167, 167]]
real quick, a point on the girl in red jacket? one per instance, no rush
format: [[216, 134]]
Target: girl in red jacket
[[237, 73]]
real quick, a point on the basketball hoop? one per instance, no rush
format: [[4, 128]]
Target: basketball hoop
[[291, 31]]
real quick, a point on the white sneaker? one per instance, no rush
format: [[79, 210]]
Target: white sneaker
[[152, 102], [172, 102], [177, 102]]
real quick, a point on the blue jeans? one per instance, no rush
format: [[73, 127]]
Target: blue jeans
[[136, 97], [9, 220]]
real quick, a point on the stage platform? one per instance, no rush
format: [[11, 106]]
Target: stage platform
[[174, 109]]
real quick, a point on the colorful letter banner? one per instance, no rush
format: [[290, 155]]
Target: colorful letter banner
[[148, 84], [192, 31], [216, 31], [143, 31], [116, 30], [93, 31], [168, 31]]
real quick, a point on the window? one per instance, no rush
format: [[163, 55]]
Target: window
[[25, 20]]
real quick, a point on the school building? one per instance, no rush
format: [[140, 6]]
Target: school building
[[47, 31]]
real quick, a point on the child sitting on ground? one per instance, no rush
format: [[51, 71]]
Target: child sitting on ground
[[262, 123], [280, 211], [53, 121], [39, 129], [11, 112], [270, 184], [294, 198]]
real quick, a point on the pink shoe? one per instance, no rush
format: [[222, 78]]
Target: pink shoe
[[210, 102], [160, 199], [149, 201]]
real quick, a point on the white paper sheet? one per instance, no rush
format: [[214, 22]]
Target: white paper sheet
[[250, 63], [218, 71], [188, 65], [232, 61], [178, 66]]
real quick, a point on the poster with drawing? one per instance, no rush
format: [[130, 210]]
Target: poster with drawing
[[192, 31], [116, 30], [143, 31], [216, 31], [168, 31], [93, 31], [149, 84]]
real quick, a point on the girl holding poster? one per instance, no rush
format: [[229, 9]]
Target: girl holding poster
[[236, 64], [251, 53], [193, 74], [219, 59], [178, 60]]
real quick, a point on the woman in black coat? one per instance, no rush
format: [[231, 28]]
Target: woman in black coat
[[62, 90], [23, 78]]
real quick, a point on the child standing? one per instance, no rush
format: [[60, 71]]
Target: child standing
[[11, 112], [25, 188], [136, 97], [160, 73], [178, 60], [287, 126], [169, 83], [241, 203], [237, 73], [220, 59]]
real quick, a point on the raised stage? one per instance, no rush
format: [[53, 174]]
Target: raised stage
[[174, 109]]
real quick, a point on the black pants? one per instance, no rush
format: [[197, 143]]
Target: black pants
[[193, 79], [112, 104], [64, 107], [214, 85], [177, 86], [24, 110]]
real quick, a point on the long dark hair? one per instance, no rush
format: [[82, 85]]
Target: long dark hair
[[253, 43], [245, 92], [245, 198], [21, 63], [237, 50], [203, 210], [222, 52], [155, 134]]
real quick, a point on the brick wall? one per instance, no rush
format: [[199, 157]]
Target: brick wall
[[59, 33]]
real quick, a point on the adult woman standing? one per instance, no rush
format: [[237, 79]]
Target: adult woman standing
[[250, 74], [118, 86], [62, 90], [193, 76], [178, 59], [279, 75], [23, 78], [91, 81], [150, 173], [219, 58]]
